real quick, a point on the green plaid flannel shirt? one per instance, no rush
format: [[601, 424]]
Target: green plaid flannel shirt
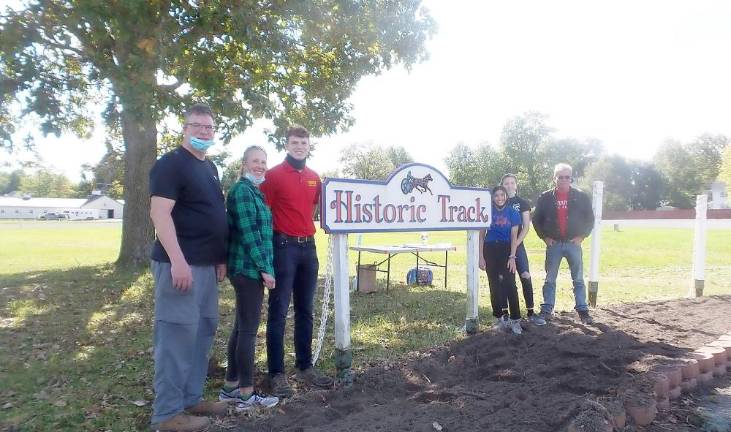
[[250, 249]]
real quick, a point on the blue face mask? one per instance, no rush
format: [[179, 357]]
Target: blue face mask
[[200, 144], [254, 179]]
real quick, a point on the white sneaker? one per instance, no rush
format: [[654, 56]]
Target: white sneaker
[[501, 324], [256, 400], [515, 326]]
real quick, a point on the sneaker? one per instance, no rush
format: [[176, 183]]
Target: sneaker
[[228, 396], [547, 316], [280, 386], [515, 327], [208, 408], [256, 400], [585, 317], [312, 376], [182, 423], [536, 320], [500, 324]]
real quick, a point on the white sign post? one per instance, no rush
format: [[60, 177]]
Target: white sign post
[[699, 247], [343, 353], [415, 197], [598, 192], [473, 281]]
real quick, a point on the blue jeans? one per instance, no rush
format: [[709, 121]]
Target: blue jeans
[[295, 269], [554, 255], [185, 325]]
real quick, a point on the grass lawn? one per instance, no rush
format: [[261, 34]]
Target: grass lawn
[[75, 332], [55, 245]]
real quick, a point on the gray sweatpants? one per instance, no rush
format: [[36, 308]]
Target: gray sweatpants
[[185, 325]]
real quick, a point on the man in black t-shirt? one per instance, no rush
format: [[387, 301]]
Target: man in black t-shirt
[[523, 206], [188, 260]]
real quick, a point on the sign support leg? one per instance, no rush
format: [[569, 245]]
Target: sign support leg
[[473, 281], [699, 247], [597, 204], [343, 351]]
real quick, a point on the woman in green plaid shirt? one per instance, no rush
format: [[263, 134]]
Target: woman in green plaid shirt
[[250, 269]]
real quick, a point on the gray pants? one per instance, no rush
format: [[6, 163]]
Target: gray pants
[[185, 325]]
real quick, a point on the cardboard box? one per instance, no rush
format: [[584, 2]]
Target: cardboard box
[[367, 278]]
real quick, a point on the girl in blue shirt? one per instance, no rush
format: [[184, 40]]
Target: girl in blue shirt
[[497, 258]]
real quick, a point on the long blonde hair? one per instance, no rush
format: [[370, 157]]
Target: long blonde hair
[[247, 152]]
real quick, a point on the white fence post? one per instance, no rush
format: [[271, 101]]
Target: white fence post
[[598, 192], [699, 247], [473, 281], [343, 352]]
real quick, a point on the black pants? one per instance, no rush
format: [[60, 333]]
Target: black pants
[[242, 342], [521, 263], [295, 265], [503, 291]]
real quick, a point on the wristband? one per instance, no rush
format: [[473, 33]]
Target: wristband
[[511, 256]]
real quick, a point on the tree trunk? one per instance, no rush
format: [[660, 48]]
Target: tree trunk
[[140, 141]]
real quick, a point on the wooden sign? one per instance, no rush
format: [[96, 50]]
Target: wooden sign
[[415, 197]]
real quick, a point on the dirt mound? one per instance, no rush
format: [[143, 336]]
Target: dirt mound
[[539, 381]]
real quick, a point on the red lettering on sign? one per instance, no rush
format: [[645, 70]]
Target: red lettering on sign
[[444, 199], [349, 209]]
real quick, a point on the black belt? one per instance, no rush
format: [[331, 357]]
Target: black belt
[[296, 239]]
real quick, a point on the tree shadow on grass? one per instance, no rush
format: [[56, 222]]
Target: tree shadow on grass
[[69, 330], [48, 305], [81, 341]]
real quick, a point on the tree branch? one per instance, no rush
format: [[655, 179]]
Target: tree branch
[[54, 44], [170, 87]]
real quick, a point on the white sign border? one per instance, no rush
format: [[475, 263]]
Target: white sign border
[[323, 206]]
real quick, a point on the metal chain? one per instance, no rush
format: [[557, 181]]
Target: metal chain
[[325, 301]]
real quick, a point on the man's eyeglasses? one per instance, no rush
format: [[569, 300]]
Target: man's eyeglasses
[[209, 128], [564, 177]]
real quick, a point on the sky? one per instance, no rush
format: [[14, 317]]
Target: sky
[[630, 73]]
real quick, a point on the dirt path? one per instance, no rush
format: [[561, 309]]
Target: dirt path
[[495, 381]]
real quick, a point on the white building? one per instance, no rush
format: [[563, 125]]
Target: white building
[[719, 196], [94, 207]]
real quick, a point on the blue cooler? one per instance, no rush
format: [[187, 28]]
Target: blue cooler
[[419, 276]]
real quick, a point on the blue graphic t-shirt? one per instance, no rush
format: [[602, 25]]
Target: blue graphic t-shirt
[[502, 222]]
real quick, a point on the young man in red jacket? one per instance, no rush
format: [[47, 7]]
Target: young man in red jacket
[[292, 191], [563, 219]]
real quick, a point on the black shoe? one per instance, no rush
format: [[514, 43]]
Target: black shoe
[[280, 386], [585, 317], [314, 377]]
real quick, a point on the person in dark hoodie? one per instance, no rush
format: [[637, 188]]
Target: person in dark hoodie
[[563, 218]]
